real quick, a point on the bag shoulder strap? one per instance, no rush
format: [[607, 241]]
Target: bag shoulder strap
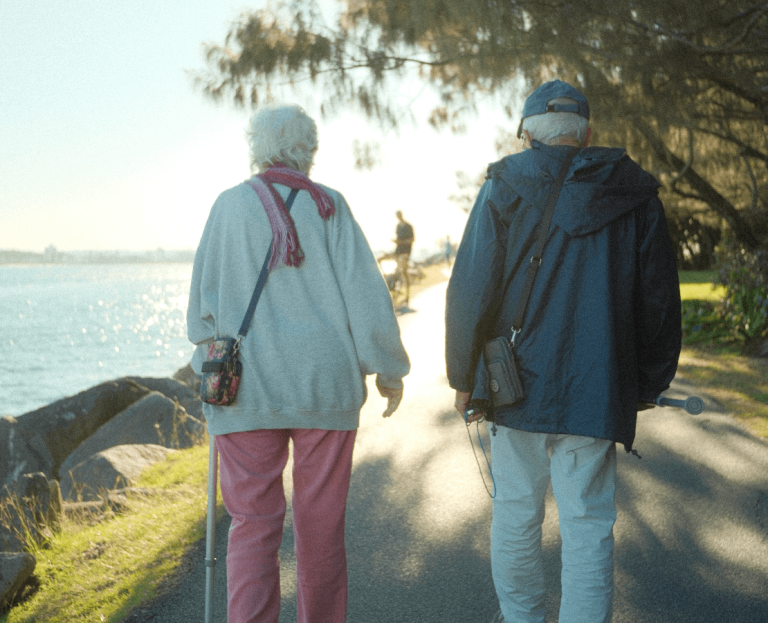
[[535, 262], [262, 276]]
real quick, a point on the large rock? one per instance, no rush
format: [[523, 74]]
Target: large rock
[[176, 390], [13, 520], [35, 492], [31, 510], [15, 570], [154, 419], [40, 440], [189, 377], [55, 507], [114, 468]]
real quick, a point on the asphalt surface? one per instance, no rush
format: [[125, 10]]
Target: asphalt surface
[[691, 535]]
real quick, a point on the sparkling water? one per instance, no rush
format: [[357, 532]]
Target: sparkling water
[[65, 328]]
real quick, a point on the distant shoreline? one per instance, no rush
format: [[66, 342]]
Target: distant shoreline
[[51, 256]]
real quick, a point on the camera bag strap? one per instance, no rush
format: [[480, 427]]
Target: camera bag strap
[[535, 262]]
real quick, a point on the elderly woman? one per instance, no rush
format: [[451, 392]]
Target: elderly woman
[[324, 321]]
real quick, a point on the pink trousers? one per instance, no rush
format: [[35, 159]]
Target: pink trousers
[[252, 466]]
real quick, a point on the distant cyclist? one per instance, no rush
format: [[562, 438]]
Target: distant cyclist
[[404, 240]]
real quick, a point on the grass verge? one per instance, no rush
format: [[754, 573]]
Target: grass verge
[[101, 570], [737, 382]]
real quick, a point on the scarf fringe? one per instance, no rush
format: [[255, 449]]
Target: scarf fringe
[[285, 239]]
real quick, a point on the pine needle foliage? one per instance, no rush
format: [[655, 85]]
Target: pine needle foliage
[[684, 86]]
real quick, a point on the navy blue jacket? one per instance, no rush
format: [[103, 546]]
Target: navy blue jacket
[[602, 329]]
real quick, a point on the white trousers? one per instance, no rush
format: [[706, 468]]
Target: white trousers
[[583, 475]]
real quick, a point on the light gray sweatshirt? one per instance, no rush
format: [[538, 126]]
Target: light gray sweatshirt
[[318, 329]]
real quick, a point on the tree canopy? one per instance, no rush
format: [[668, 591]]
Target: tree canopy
[[683, 86]]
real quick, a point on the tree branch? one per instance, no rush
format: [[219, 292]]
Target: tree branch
[[724, 48], [705, 192], [754, 190]]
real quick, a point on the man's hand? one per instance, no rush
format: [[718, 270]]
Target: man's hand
[[462, 399], [393, 396]]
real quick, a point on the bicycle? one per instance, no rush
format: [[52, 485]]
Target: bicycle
[[392, 269]]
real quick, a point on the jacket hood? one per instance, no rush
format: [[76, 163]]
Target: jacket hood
[[602, 184]]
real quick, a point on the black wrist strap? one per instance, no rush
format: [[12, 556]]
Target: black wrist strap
[[533, 265], [262, 276]]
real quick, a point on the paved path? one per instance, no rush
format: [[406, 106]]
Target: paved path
[[691, 537]]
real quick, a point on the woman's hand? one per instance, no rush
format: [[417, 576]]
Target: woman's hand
[[393, 396]]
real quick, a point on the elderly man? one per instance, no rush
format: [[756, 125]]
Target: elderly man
[[600, 336]]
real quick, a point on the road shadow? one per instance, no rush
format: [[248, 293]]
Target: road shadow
[[687, 526], [400, 569], [685, 541], [684, 532]]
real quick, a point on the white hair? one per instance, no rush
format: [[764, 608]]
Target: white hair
[[284, 134], [549, 127]]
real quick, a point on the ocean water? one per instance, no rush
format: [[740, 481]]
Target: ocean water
[[65, 328]]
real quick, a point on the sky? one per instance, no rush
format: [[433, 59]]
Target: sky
[[106, 144]]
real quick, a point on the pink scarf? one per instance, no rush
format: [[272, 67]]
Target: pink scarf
[[285, 240]]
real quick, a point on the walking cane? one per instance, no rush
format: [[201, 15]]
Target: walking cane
[[693, 404], [210, 532]]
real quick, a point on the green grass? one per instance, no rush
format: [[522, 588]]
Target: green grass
[[737, 382], [696, 276], [697, 285], [101, 571]]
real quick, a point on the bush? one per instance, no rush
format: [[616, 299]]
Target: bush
[[745, 276], [703, 323], [741, 316]]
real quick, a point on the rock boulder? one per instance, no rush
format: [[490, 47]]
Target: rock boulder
[[189, 377], [154, 419], [114, 468], [40, 440], [32, 509], [175, 390], [15, 570]]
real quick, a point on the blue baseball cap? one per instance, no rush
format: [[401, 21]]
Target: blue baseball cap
[[538, 101]]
